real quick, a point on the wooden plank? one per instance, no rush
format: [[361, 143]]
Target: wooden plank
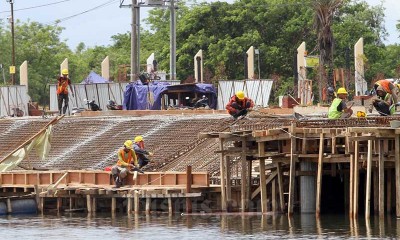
[[222, 175], [273, 196], [58, 181], [263, 185], [280, 186], [351, 187], [136, 202], [148, 204], [375, 182], [397, 173], [228, 183], [356, 179], [292, 172], [244, 185], [189, 188], [381, 171], [267, 181], [89, 203], [368, 182], [389, 190], [319, 175], [113, 205]]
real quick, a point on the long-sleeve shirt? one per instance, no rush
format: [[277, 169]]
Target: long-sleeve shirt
[[235, 105]]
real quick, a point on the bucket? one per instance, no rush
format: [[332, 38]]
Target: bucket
[[395, 124]]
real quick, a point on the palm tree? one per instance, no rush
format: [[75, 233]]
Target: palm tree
[[323, 19]]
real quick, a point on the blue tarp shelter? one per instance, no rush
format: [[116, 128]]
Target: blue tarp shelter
[[94, 78], [136, 95]]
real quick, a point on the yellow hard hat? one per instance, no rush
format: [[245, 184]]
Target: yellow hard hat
[[341, 91], [128, 144], [138, 139], [360, 114], [64, 72], [240, 95]]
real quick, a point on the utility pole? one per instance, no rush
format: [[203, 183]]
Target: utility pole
[[134, 48], [173, 42], [12, 68]]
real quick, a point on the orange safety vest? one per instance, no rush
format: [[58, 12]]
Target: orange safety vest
[[127, 160], [62, 86]]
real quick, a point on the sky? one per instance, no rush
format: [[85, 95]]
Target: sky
[[93, 22]]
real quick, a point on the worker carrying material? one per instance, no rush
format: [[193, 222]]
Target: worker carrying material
[[127, 161], [62, 91], [384, 103], [141, 152], [388, 87], [338, 108], [239, 105]]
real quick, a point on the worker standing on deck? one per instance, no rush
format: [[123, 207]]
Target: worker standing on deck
[[388, 87], [126, 161], [384, 103], [62, 91], [338, 108], [141, 152], [239, 105]]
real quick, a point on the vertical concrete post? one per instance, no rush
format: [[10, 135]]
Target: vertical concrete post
[[105, 68], [307, 188], [64, 65], [250, 63], [368, 183], [319, 175], [23, 74], [189, 189], [198, 66], [301, 72], [222, 175], [360, 83]]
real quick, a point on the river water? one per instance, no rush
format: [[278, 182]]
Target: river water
[[228, 226]]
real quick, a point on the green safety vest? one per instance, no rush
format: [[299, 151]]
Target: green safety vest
[[333, 113], [392, 108]]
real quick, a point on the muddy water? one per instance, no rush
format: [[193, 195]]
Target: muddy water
[[82, 226]]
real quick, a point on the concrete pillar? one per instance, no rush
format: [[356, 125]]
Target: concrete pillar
[[198, 66], [307, 188], [64, 65], [105, 68], [23, 74], [250, 63], [360, 83]]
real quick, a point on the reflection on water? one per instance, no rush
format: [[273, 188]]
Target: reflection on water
[[227, 226]]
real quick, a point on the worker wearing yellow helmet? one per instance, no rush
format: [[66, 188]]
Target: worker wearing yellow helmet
[[239, 105], [62, 91], [338, 108], [141, 152], [127, 161]]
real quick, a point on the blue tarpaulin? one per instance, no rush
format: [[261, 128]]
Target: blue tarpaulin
[[136, 95], [94, 78]]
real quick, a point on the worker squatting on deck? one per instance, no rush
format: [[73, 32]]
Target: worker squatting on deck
[[385, 102], [239, 105], [127, 161], [339, 108]]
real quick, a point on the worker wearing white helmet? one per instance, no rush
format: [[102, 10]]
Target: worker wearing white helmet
[[338, 108], [62, 91]]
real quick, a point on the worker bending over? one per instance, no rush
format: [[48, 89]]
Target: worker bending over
[[141, 152], [388, 87], [239, 105], [126, 161], [338, 108], [384, 103]]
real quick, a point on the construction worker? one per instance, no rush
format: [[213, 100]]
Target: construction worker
[[384, 102], [388, 87], [62, 91], [239, 105], [141, 153], [338, 108], [126, 161]]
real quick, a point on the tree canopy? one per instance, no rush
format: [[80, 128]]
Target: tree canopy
[[224, 31]]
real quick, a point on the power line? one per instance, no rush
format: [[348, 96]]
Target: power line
[[86, 11], [38, 6]]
